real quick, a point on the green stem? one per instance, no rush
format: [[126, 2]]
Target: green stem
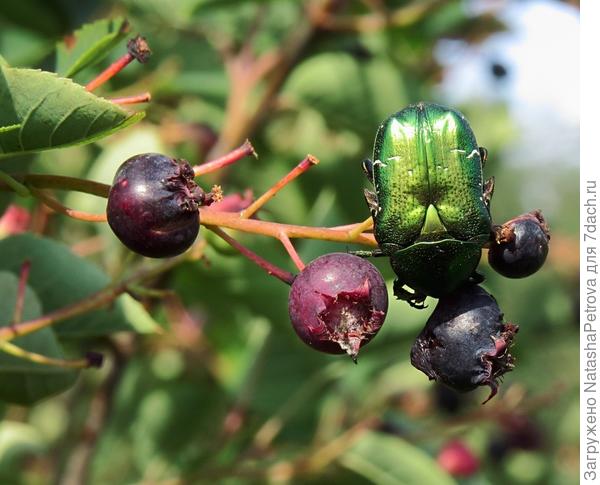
[[17, 351], [14, 184], [60, 182]]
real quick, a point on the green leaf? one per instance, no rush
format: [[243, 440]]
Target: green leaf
[[137, 316], [21, 381], [389, 460], [351, 95], [3, 62], [53, 112], [90, 44], [60, 278]]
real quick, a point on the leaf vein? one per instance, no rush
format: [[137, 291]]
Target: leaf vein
[[99, 115], [63, 120], [28, 116]]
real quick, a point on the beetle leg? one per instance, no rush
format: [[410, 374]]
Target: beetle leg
[[368, 254], [367, 166], [414, 299], [372, 202], [483, 153], [476, 278], [488, 191]]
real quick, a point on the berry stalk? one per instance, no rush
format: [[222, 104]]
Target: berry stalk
[[21, 353], [14, 184], [138, 98], [293, 254], [137, 48], [302, 167], [243, 151], [58, 207], [270, 268]]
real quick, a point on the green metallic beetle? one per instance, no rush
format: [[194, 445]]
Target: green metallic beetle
[[430, 207]]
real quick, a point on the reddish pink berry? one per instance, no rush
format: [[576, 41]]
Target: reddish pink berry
[[338, 303], [15, 220], [457, 459]]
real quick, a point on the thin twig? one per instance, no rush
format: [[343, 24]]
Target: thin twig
[[58, 207], [298, 170], [289, 247], [14, 184], [91, 302], [245, 150], [270, 268], [21, 353], [366, 225], [137, 48], [60, 182], [109, 72], [136, 99]]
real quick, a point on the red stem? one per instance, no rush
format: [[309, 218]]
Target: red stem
[[299, 169], [138, 98], [246, 149], [289, 247], [270, 268], [109, 72]]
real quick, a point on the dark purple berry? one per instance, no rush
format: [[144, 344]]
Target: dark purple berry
[[465, 343], [522, 432], [338, 303], [518, 432], [153, 205], [521, 246]]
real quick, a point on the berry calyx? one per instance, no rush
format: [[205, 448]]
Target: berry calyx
[[153, 205], [465, 343], [338, 303], [520, 246]]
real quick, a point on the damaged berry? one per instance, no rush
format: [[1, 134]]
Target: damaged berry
[[153, 205], [465, 342], [521, 246], [338, 303]]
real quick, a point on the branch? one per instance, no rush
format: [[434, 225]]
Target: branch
[[91, 302], [231, 220], [58, 207], [21, 353]]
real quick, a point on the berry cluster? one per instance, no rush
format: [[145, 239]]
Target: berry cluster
[[339, 301]]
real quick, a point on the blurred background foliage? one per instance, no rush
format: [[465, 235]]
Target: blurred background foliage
[[227, 393]]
